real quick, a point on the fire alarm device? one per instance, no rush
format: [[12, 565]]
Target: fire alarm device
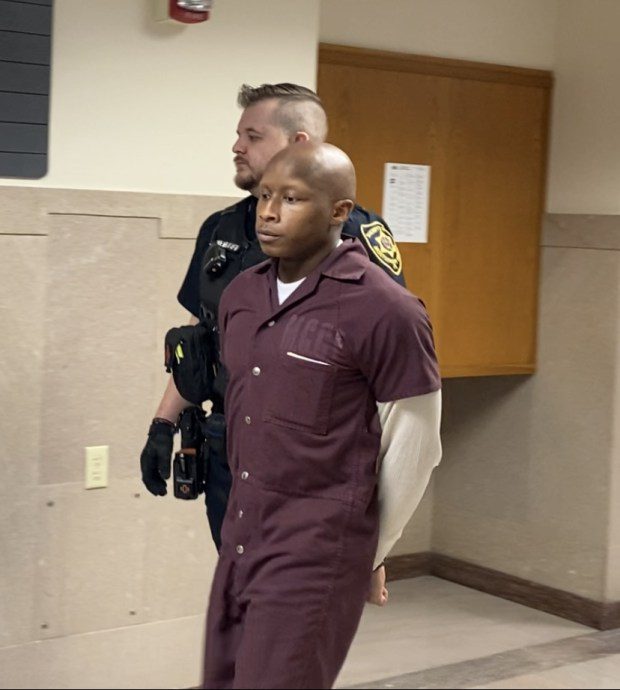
[[184, 11]]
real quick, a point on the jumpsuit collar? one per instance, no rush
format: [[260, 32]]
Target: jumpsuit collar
[[348, 262]]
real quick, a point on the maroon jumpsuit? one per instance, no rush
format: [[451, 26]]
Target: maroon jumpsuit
[[300, 532]]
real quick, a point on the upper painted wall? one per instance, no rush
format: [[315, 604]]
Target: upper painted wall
[[512, 32], [143, 106], [584, 173]]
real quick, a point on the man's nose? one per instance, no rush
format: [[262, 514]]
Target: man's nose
[[238, 146], [267, 210]]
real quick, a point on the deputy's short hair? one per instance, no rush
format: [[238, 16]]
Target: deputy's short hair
[[299, 108], [249, 95]]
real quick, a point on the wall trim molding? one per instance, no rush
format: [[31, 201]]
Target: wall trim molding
[[595, 614], [27, 210], [581, 231], [330, 53]]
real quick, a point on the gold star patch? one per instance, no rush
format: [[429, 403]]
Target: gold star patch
[[382, 245]]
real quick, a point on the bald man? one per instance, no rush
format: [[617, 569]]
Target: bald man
[[314, 339], [274, 116]]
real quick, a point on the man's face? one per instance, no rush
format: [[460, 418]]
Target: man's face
[[258, 141], [293, 217]]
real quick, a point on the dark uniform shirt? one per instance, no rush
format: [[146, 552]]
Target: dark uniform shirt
[[363, 224], [300, 533]]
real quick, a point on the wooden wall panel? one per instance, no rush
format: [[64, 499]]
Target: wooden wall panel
[[371, 118], [483, 130], [493, 214]]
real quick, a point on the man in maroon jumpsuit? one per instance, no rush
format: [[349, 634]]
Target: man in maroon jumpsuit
[[312, 340]]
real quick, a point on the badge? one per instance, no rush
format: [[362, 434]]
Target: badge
[[382, 245]]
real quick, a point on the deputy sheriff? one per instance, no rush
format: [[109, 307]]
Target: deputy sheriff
[[314, 339], [274, 116]]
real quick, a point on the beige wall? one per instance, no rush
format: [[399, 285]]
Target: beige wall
[[524, 486], [101, 588], [584, 173], [613, 559], [138, 105]]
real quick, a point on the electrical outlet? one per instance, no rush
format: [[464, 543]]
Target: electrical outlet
[[96, 467]]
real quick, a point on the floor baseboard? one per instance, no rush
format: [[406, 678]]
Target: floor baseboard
[[596, 614]]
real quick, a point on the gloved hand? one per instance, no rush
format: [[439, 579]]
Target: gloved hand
[[156, 456]]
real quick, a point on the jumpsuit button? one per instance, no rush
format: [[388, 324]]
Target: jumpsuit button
[[240, 514], [248, 420], [240, 549], [256, 371], [245, 475], [271, 324]]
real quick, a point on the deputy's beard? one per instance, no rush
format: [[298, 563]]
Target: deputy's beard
[[246, 180]]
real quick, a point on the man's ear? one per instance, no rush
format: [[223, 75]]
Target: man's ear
[[301, 136], [341, 211]]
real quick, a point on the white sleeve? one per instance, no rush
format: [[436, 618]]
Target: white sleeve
[[410, 450]]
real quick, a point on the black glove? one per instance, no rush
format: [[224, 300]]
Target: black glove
[[156, 456]]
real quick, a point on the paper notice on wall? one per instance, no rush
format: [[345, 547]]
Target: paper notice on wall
[[406, 190]]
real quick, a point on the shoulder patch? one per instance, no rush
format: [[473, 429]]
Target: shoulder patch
[[383, 247], [238, 206]]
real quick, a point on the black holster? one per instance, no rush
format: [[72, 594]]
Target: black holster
[[188, 470], [191, 356]]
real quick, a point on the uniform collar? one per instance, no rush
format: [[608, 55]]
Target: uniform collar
[[250, 217]]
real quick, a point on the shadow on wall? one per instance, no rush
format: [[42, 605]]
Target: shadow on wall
[[487, 436], [467, 402], [151, 11]]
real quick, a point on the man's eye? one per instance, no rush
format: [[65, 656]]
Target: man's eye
[[253, 137], [290, 199], [264, 196]]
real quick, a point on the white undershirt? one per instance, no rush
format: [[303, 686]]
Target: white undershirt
[[285, 290]]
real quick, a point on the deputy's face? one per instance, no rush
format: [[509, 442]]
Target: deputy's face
[[258, 141], [293, 217]]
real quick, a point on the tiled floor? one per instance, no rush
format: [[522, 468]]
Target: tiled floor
[[436, 634]]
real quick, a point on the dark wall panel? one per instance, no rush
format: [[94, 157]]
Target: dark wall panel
[[18, 138], [25, 57], [25, 17], [26, 165], [24, 78], [22, 107], [27, 48]]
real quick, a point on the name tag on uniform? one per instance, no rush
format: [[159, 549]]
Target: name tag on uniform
[[231, 246]]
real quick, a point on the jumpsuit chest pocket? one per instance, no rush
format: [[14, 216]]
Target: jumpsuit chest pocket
[[302, 398]]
